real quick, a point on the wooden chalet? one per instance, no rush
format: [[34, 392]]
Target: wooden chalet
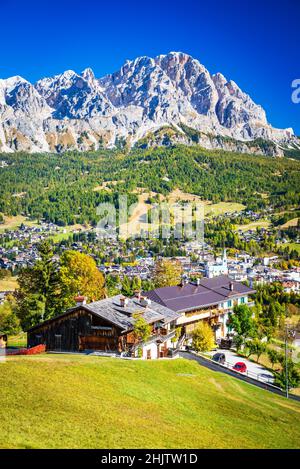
[[107, 325]]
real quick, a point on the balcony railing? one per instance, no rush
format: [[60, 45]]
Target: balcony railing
[[210, 312]]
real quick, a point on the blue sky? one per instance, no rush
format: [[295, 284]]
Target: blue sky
[[255, 43]]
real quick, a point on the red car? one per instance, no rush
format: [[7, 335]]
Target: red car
[[240, 366]]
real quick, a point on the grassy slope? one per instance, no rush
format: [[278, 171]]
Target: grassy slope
[[11, 223], [254, 225], [295, 246], [87, 402], [223, 207], [9, 284]]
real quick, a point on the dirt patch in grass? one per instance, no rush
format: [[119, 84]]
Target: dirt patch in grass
[[290, 223]]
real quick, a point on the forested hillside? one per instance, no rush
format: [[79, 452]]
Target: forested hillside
[[66, 189]]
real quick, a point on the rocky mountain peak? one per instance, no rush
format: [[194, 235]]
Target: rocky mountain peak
[[146, 94], [88, 74]]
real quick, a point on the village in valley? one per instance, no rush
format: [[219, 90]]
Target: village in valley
[[149, 231], [136, 256], [228, 276]]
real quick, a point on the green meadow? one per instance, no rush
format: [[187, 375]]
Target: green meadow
[[73, 401]]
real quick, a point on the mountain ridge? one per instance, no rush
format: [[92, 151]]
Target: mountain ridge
[[82, 112]]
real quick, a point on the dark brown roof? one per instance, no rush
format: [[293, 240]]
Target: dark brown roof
[[211, 291]]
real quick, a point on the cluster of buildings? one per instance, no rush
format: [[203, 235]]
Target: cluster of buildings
[[18, 247], [209, 290], [172, 313], [142, 268], [198, 260], [251, 269]]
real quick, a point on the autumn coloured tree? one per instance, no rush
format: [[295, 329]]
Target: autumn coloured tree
[[9, 322], [203, 337], [50, 286], [167, 273], [79, 275]]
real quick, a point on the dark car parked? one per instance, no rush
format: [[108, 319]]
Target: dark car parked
[[225, 344], [219, 357]]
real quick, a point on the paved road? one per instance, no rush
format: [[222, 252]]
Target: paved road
[[255, 370], [215, 367]]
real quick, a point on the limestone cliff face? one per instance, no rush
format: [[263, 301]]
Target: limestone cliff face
[[146, 96]]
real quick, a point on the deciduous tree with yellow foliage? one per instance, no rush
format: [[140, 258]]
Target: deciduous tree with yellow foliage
[[203, 338], [167, 273], [79, 274]]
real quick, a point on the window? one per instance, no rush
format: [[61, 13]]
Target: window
[[242, 300], [73, 322], [57, 338], [103, 330], [38, 339], [229, 303]]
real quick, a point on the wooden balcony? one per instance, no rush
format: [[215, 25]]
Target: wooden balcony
[[209, 312], [162, 331]]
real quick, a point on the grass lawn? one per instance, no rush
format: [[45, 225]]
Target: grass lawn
[[67, 231], [72, 401], [254, 225], [222, 207], [9, 284], [292, 246], [19, 340], [11, 223], [57, 238]]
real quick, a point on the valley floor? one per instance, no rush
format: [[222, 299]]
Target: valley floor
[[73, 401]]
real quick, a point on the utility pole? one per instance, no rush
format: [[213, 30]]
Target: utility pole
[[286, 363], [287, 333]]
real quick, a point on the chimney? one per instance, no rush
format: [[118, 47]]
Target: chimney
[[145, 301], [184, 281], [230, 286], [123, 301], [137, 294], [80, 300]]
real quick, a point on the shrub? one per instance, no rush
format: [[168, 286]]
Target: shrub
[[203, 338], [293, 377], [256, 347], [273, 356]]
